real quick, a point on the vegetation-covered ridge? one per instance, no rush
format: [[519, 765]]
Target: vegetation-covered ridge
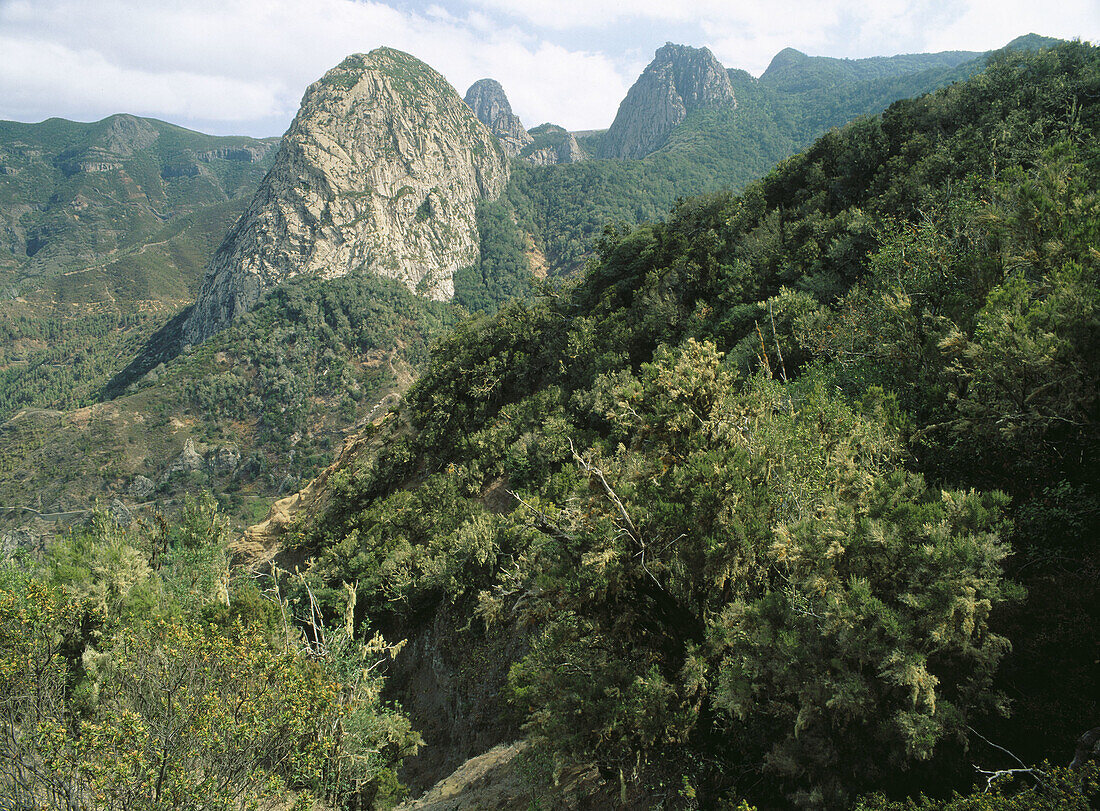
[[793, 496], [797, 100], [788, 501], [104, 231], [264, 405]]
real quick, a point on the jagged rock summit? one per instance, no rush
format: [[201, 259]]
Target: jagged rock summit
[[381, 170], [678, 80], [490, 104], [545, 145]]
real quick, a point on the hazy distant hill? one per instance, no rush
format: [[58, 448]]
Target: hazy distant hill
[[105, 229], [131, 203]]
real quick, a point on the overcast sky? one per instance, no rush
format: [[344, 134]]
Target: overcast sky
[[241, 66]]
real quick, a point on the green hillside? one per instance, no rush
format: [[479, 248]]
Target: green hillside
[[794, 102], [792, 497], [788, 501], [61, 349], [105, 230], [75, 195]]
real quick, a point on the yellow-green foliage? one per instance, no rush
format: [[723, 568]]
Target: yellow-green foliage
[[123, 687]]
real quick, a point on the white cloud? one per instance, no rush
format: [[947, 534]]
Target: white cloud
[[76, 80], [987, 24], [747, 33], [565, 14], [242, 65]]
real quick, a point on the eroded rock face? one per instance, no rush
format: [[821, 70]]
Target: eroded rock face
[[381, 170], [677, 81], [490, 104], [552, 145]]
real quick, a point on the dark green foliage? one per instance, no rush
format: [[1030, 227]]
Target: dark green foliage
[[751, 484], [1045, 789], [137, 670], [753, 494], [503, 271], [794, 102], [307, 347]]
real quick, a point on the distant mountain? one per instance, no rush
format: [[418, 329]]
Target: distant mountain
[[105, 229], [792, 71], [714, 145], [380, 170], [490, 104], [545, 145], [680, 79], [125, 202], [315, 218]]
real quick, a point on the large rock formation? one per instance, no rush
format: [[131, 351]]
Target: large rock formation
[[551, 145], [487, 99], [545, 145], [381, 170], [677, 81]]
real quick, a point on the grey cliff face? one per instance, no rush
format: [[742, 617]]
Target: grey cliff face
[[490, 104], [381, 170], [677, 81], [569, 151], [552, 145]]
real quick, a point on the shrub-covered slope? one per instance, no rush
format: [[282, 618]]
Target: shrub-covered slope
[[104, 232], [264, 405], [759, 491]]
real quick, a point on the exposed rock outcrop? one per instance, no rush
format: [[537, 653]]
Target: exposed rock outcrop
[[20, 539], [678, 80], [490, 104], [140, 487], [550, 145], [381, 170], [188, 461], [252, 153]]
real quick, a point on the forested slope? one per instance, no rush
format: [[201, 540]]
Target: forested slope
[[790, 499], [105, 229], [794, 102], [793, 495]]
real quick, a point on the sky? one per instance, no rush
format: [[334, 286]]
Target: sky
[[239, 67]]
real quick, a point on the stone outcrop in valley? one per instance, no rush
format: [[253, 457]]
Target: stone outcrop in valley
[[490, 104], [552, 145]]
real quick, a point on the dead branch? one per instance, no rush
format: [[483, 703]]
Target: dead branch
[[991, 775]]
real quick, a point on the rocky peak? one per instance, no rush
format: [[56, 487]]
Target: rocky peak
[[381, 171], [124, 134], [677, 81], [490, 104]]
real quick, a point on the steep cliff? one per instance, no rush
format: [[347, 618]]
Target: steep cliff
[[677, 81], [381, 169], [490, 104], [551, 145]]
